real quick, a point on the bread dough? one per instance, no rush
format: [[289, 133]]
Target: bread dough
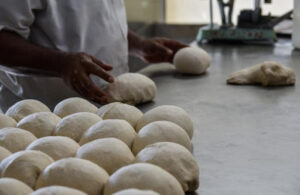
[[159, 69], [161, 131], [131, 88], [74, 105], [10, 186], [58, 190], [191, 60], [175, 159], [26, 107], [15, 139], [75, 125], [57, 147], [119, 110], [266, 74], [77, 173], [171, 113], [135, 192], [4, 153], [25, 166], [143, 176], [109, 153], [6, 121], [116, 128], [40, 124]]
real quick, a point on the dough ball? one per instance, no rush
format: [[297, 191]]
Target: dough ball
[[74, 105], [6, 121], [10, 186], [143, 176], [57, 190], [40, 124], [4, 153], [24, 108], [15, 139], [191, 60], [25, 166], [75, 125], [118, 110], [57, 147], [175, 159], [77, 173], [116, 128], [171, 113], [131, 88], [135, 192], [109, 153]]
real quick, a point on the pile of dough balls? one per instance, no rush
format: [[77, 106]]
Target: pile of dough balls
[[79, 149]]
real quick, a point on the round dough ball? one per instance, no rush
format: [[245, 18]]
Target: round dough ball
[[4, 153], [74, 105], [24, 108], [116, 128], [143, 176], [77, 173], [191, 60], [161, 131], [40, 124], [57, 147], [171, 113], [25, 166], [133, 191], [15, 139], [119, 110], [58, 190], [175, 159], [10, 186], [6, 121], [109, 153], [75, 125]]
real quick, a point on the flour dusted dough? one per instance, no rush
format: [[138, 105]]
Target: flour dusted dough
[[77, 173], [10, 186], [26, 107], [135, 192], [25, 166], [75, 125], [74, 105], [131, 88], [171, 113], [57, 147], [143, 176], [4, 153], [57, 190], [116, 128], [6, 121], [267, 74], [15, 139]]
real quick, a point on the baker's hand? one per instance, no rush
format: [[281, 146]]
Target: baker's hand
[[76, 70]]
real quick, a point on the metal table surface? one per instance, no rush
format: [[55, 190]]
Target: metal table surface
[[247, 138]]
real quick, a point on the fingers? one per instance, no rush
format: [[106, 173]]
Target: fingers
[[92, 68], [101, 64]]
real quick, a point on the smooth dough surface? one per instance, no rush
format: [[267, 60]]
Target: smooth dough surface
[[58, 190], [135, 192], [6, 121], [4, 153], [175, 159], [143, 176], [24, 108], [77, 173], [109, 153], [75, 125], [74, 105], [10, 186], [57, 147], [131, 88]]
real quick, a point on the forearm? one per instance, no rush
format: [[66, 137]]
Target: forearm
[[135, 42]]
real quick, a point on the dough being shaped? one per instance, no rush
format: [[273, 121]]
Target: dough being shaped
[[25, 166], [75, 125], [4, 153], [171, 113], [6, 121], [191, 60], [131, 88], [119, 110], [40, 124], [10, 186], [133, 191], [58, 190], [143, 176], [116, 128], [109, 153], [15, 139], [266, 74], [24, 108], [57, 147], [74, 105], [175, 159], [75, 173], [159, 69], [161, 131]]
